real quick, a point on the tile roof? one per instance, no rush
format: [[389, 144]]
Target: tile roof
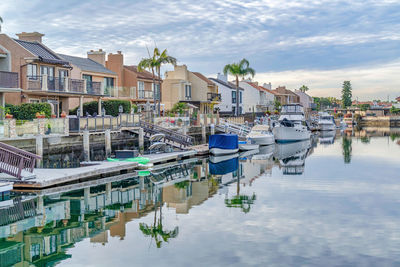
[[86, 64], [204, 78], [142, 74], [286, 91], [261, 88], [227, 84], [42, 52]]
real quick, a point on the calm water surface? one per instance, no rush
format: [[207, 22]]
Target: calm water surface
[[328, 201]]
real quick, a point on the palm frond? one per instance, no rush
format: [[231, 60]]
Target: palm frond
[[1, 20], [244, 64]]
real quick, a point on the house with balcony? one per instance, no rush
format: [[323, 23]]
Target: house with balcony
[[257, 99], [285, 96], [182, 85], [227, 106], [98, 81], [133, 85], [42, 75]]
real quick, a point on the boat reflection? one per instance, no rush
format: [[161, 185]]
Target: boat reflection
[[291, 156], [327, 137]]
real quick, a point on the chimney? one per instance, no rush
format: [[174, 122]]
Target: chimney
[[267, 85], [30, 36], [222, 77], [115, 63], [98, 56]]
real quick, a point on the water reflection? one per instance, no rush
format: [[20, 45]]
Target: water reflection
[[189, 204]]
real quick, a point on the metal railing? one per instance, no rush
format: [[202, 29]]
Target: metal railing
[[93, 88], [13, 160], [102, 123], [18, 211], [170, 135], [34, 82], [55, 84], [214, 97], [8, 79], [76, 85], [143, 94]]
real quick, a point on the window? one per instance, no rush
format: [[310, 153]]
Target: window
[[49, 71], [32, 70], [240, 110], [62, 74], [188, 91], [240, 97], [233, 97], [157, 91], [233, 110], [108, 84], [34, 101], [141, 89], [88, 79]]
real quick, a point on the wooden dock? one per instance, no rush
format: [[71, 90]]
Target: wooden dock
[[47, 178], [201, 150]]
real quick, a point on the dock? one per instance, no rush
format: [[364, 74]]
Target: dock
[[47, 178], [201, 150]]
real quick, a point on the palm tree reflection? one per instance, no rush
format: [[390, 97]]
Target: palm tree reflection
[[346, 146]]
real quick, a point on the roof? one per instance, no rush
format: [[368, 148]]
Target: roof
[[286, 91], [204, 78], [261, 88], [87, 64], [227, 84], [142, 74], [2, 51], [42, 52]]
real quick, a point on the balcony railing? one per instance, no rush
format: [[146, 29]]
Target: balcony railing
[[214, 97], [8, 79], [145, 94], [56, 84]]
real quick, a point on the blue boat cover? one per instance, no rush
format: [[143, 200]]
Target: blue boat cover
[[223, 141], [224, 167]]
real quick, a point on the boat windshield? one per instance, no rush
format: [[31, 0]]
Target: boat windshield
[[292, 109]]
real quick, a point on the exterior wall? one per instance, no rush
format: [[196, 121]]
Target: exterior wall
[[226, 98], [172, 92], [251, 97], [115, 63], [305, 99], [199, 88]]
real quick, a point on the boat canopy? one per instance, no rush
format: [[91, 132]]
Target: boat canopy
[[294, 108], [224, 167], [223, 141]]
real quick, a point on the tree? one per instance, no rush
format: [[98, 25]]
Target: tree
[[241, 69], [346, 94], [304, 88], [1, 21], [154, 63], [277, 105]]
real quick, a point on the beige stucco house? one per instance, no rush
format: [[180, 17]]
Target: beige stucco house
[[182, 85]]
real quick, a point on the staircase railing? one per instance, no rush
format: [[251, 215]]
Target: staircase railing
[[170, 135], [14, 160]]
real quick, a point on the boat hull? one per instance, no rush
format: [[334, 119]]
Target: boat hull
[[327, 127], [290, 134], [262, 140], [223, 151], [248, 147]]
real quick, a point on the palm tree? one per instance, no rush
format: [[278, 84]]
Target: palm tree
[[241, 69], [304, 88], [154, 63], [1, 21]]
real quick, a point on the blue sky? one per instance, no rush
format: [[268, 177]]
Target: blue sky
[[318, 43]]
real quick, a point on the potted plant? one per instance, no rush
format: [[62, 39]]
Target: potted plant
[[42, 115], [48, 129], [63, 114], [37, 115], [53, 116], [9, 116]]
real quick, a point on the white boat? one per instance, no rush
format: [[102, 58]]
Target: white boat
[[246, 146], [291, 125], [223, 151], [261, 135], [326, 122], [218, 159]]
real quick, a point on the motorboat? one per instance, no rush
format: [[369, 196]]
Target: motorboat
[[247, 146], [261, 135], [326, 122], [291, 125], [223, 144], [292, 156]]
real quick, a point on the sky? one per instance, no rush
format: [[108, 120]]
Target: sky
[[317, 43]]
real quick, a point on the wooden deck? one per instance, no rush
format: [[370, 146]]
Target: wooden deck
[[201, 150]]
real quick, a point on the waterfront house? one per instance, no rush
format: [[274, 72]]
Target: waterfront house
[[285, 96], [182, 85], [228, 95], [257, 98], [98, 80], [133, 85], [305, 100], [41, 74]]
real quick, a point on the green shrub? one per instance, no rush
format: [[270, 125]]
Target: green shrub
[[27, 111], [111, 107]]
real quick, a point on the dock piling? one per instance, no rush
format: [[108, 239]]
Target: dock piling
[[107, 136], [39, 150], [203, 133], [141, 140], [212, 128], [86, 145]]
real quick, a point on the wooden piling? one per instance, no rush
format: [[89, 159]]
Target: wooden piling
[[86, 145], [39, 150], [107, 137]]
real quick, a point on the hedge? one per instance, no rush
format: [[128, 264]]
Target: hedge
[[111, 107], [27, 111]]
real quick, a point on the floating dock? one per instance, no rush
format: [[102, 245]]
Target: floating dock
[[47, 178]]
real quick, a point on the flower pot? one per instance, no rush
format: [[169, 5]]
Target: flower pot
[[9, 116], [53, 116]]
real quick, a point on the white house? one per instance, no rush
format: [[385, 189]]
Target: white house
[[257, 98], [305, 100], [228, 95]]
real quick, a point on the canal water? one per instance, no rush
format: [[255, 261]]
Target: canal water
[[333, 201]]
